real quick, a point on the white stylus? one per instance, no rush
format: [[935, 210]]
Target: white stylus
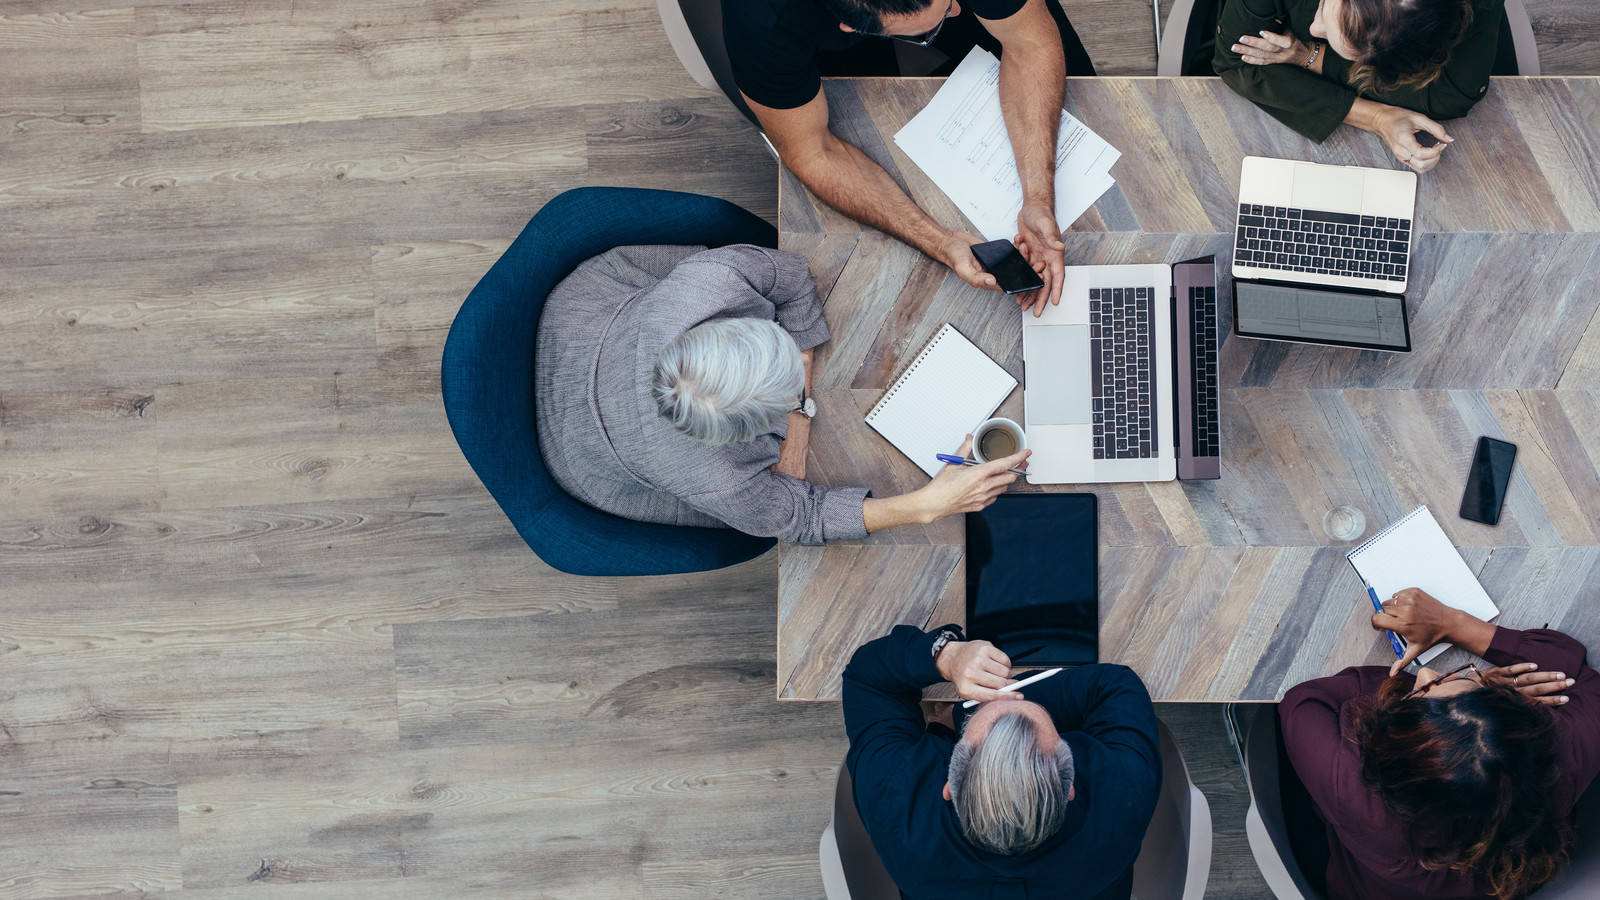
[[1017, 686]]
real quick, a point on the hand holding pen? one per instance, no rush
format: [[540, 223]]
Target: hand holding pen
[[968, 488], [953, 460], [1377, 606]]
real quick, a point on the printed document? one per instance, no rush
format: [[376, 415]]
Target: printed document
[[959, 139]]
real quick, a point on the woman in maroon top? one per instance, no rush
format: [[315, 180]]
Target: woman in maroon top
[[1450, 785]]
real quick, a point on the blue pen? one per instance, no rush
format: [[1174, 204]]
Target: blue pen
[[1394, 639], [963, 461]]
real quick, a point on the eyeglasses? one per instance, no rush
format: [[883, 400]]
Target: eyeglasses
[[924, 39], [1451, 675]]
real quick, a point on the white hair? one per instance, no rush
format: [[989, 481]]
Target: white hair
[[728, 381], [1010, 793]]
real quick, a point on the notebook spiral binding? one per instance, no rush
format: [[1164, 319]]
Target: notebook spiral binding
[[1385, 532], [922, 355]]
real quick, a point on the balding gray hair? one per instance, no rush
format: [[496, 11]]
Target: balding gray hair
[[1010, 793], [728, 381]]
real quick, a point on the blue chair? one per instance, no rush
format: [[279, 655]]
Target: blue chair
[[487, 379]]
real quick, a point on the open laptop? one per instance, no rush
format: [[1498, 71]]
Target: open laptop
[[1120, 379], [1322, 253]]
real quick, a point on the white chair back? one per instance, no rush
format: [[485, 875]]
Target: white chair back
[[1175, 858]]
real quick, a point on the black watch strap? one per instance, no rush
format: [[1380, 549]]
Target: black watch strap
[[945, 635]]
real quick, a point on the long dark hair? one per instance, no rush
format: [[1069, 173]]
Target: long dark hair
[[1402, 42], [1471, 776]]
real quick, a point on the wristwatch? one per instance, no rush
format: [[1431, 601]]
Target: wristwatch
[[807, 405], [946, 634]]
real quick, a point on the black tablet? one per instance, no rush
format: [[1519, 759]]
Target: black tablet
[[1033, 578]]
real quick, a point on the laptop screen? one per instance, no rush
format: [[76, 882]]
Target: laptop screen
[[1033, 579], [1320, 316]]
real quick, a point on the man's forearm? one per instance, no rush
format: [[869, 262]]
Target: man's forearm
[[847, 180], [1032, 82]]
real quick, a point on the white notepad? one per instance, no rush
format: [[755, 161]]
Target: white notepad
[[949, 389], [1415, 552]]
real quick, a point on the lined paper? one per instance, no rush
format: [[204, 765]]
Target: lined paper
[[946, 391]]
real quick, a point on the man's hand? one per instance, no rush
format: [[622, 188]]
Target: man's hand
[[964, 489], [1039, 242], [956, 252], [977, 669], [1540, 687], [1398, 128], [1415, 615], [1269, 48]]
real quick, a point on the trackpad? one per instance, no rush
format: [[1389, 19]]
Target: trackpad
[[1057, 370], [1331, 188]]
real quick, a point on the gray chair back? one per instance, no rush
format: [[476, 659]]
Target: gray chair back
[[851, 869], [1265, 826], [1175, 858], [694, 28]]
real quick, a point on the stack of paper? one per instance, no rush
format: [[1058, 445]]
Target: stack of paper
[[959, 139]]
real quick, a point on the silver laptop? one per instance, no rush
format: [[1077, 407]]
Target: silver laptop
[[1322, 254], [1308, 223], [1121, 378]]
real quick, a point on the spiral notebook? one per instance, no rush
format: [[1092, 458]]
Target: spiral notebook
[[1415, 552], [947, 390]]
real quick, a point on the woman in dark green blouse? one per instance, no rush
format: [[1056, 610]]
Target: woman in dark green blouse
[[1391, 67]]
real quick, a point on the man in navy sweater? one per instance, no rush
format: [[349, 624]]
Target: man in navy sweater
[[1043, 796]]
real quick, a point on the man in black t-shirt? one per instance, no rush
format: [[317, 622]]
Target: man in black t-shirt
[[776, 48]]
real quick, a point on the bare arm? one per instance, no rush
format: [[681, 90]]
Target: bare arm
[[797, 437], [847, 180], [1033, 73], [956, 489]]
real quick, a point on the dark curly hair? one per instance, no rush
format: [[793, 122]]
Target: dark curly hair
[[1471, 776], [1401, 42], [866, 16]]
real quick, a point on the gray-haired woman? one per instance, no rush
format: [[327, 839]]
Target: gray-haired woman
[[668, 383]]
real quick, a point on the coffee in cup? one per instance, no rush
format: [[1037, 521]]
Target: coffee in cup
[[996, 439]]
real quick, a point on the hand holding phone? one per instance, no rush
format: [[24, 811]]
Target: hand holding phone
[[1009, 268]]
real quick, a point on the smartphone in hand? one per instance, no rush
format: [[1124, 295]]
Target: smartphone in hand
[[1002, 260]]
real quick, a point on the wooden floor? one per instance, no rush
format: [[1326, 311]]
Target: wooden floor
[[262, 633]]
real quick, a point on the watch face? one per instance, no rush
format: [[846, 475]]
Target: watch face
[[809, 407]]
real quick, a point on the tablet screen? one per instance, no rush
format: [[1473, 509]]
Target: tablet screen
[[1033, 578]]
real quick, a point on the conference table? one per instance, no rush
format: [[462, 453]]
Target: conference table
[[1233, 589]]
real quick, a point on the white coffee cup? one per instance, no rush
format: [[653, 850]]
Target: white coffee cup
[[1004, 433]]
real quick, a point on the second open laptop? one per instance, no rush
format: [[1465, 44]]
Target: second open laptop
[[1322, 254], [1120, 379]]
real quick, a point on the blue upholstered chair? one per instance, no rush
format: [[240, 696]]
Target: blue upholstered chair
[[487, 379]]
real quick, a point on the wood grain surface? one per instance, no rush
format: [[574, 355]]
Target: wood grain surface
[[261, 632], [1232, 589]]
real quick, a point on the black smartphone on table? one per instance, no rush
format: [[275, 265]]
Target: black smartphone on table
[[1488, 480], [1002, 260]]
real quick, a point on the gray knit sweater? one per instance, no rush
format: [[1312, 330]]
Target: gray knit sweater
[[601, 435]]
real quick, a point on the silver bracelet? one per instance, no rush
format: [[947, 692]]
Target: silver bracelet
[[1315, 49]]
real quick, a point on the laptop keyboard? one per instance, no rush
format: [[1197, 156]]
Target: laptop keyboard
[[1121, 338], [1206, 426], [1309, 240]]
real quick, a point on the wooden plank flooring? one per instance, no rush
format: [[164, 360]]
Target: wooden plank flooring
[[261, 631]]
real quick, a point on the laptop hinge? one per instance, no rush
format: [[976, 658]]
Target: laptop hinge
[[1177, 402]]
